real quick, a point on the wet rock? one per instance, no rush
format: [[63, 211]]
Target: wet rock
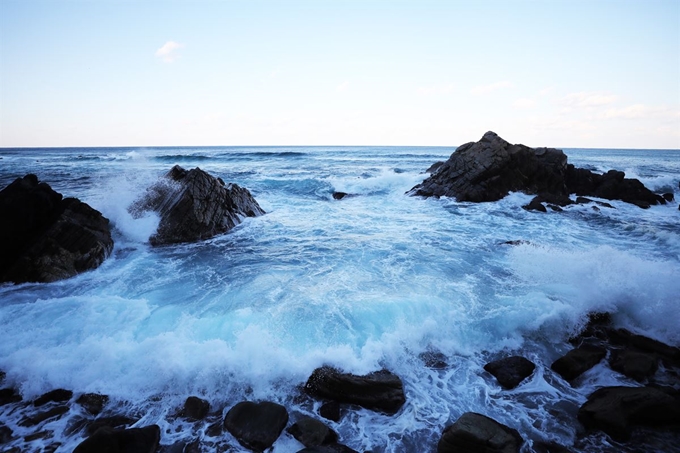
[[194, 205], [635, 365], [93, 402], [670, 355], [480, 434], [617, 410], [40, 435], [550, 447], [380, 391], [9, 396], [36, 419], [214, 429], [330, 448], [6, 434], [45, 237], [510, 371], [434, 359], [330, 411], [339, 195], [56, 396], [256, 425], [195, 408], [115, 421], [612, 185], [578, 361], [133, 440], [312, 433], [434, 167], [535, 205]]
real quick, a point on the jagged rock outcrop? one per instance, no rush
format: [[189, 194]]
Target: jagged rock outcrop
[[577, 361], [474, 432], [194, 205], [45, 237], [379, 391], [489, 169]]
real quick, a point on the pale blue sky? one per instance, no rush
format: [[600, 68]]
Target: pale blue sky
[[153, 73]]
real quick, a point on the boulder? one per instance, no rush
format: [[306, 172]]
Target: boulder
[[617, 410], [510, 371], [635, 365], [45, 237], [310, 432], [194, 205], [489, 169], [133, 440], [93, 402], [379, 391], [195, 408], [9, 396], [54, 396], [330, 411], [577, 361], [477, 433], [330, 448], [612, 185], [37, 418], [256, 425]]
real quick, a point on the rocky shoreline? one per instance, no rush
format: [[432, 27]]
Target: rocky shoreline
[[625, 414]]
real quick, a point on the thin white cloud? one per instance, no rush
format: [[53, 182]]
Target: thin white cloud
[[588, 99], [524, 103], [168, 52], [435, 90], [344, 86], [486, 89], [641, 111]]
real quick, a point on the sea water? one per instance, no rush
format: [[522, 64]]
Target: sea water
[[367, 282]]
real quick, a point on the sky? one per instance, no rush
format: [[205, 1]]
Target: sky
[[573, 73]]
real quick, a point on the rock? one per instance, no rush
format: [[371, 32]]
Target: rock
[[330, 411], [195, 408], [668, 196], [330, 448], [256, 425], [93, 402], [577, 361], [612, 185], [510, 371], [115, 421], [489, 169], [194, 205], [56, 396], [535, 205], [133, 440], [312, 433], [6, 434], [434, 167], [434, 359], [9, 396], [480, 434], [45, 237], [617, 410], [670, 355], [635, 365], [379, 391], [339, 195], [36, 419]]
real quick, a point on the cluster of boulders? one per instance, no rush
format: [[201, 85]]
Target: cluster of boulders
[[491, 168], [616, 411], [45, 237]]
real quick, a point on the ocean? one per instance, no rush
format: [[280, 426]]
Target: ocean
[[367, 282]]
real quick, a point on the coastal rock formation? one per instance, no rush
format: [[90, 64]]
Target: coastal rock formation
[[510, 371], [312, 433], [45, 237], [256, 425], [194, 205], [489, 169], [474, 432], [121, 440], [617, 410], [577, 361], [195, 408], [379, 391]]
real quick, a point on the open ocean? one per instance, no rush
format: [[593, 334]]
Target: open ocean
[[362, 283]]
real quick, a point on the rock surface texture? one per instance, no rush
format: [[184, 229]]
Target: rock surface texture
[[134, 440], [477, 433], [45, 237], [256, 425], [194, 205], [380, 391], [489, 169], [510, 371]]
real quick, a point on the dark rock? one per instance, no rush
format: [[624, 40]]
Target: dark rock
[[214, 429], [56, 396], [549, 447], [6, 434], [40, 417], [256, 425], [330, 448], [312, 433], [195, 408], [489, 169], [612, 185], [516, 242], [617, 410], [134, 440], [480, 434], [635, 365], [194, 205], [9, 396], [670, 355], [93, 402], [434, 167], [434, 359], [45, 237], [115, 421], [668, 196], [330, 411], [577, 361], [510, 371], [339, 195], [583, 200], [380, 391], [535, 205]]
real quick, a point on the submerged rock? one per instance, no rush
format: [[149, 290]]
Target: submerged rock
[[109, 440], [93, 402], [510, 371], [256, 425], [477, 433], [577, 361], [194, 205], [380, 391], [45, 237], [635, 365], [195, 408], [617, 410]]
